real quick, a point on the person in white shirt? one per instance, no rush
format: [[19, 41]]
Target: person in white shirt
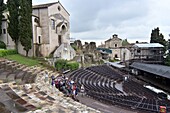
[[46, 77], [82, 90]]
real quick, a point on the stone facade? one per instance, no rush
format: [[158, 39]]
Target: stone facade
[[51, 29], [125, 54], [68, 52], [5, 37], [113, 42], [118, 51], [115, 53]]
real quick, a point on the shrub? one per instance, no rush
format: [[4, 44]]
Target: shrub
[[4, 52], [2, 45], [113, 60], [73, 65], [62, 65], [100, 62]]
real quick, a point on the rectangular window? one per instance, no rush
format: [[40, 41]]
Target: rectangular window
[[59, 40], [4, 31], [39, 39], [53, 24]]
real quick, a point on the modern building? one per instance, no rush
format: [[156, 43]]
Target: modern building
[[51, 29], [152, 52]]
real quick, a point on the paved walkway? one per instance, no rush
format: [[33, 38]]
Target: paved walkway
[[105, 108]]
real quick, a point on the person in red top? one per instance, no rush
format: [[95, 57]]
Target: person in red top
[[74, 91]]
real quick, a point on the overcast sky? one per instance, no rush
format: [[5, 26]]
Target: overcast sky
[[98, 20]]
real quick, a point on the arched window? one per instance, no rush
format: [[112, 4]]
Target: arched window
[[63, 29], [59, 8], [36, 20]]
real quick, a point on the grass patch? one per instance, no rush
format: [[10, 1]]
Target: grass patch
[[23, 60]]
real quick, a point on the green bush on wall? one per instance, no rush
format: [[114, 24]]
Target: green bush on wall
[[73, 65], [60, 64], [2, 45], [4, 52], [65, 65]]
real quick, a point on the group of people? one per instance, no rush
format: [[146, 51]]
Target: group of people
[[66, 85]]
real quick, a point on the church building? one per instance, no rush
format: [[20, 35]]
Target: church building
[[51, 32]]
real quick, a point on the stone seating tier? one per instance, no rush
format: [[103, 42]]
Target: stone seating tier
[[25, 91]]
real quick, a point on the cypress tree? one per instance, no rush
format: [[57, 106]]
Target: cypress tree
[[25, 24], [13, 18], [157, 37], [1, 4]]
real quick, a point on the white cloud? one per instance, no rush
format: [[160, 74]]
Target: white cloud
[[98, 20]]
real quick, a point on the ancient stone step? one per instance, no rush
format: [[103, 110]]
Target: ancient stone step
[[11, 77], [2, 70], [20, 75], [26, 77], [32, 78], [3, 75], [2, 65]]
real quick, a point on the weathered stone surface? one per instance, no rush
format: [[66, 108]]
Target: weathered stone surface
[[38, 97]]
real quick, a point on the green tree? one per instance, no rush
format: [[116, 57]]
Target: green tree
[[25, 25], [60, 64], [167, 60], [13, 18], [2, 45], [1, 4], [157, 37], [125, 42]]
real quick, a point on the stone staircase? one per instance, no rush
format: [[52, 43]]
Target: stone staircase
[[23, 89]]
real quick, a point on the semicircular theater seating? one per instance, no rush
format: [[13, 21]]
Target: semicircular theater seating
[[99, 82]]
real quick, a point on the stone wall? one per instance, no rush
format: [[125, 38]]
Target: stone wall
[[65, 51], [5, 37]]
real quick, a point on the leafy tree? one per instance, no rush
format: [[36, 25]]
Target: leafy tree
[[1, 4], [157, 37], [25, 24], [13, 18], [167, 60], [125, 42], [2, 45]]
